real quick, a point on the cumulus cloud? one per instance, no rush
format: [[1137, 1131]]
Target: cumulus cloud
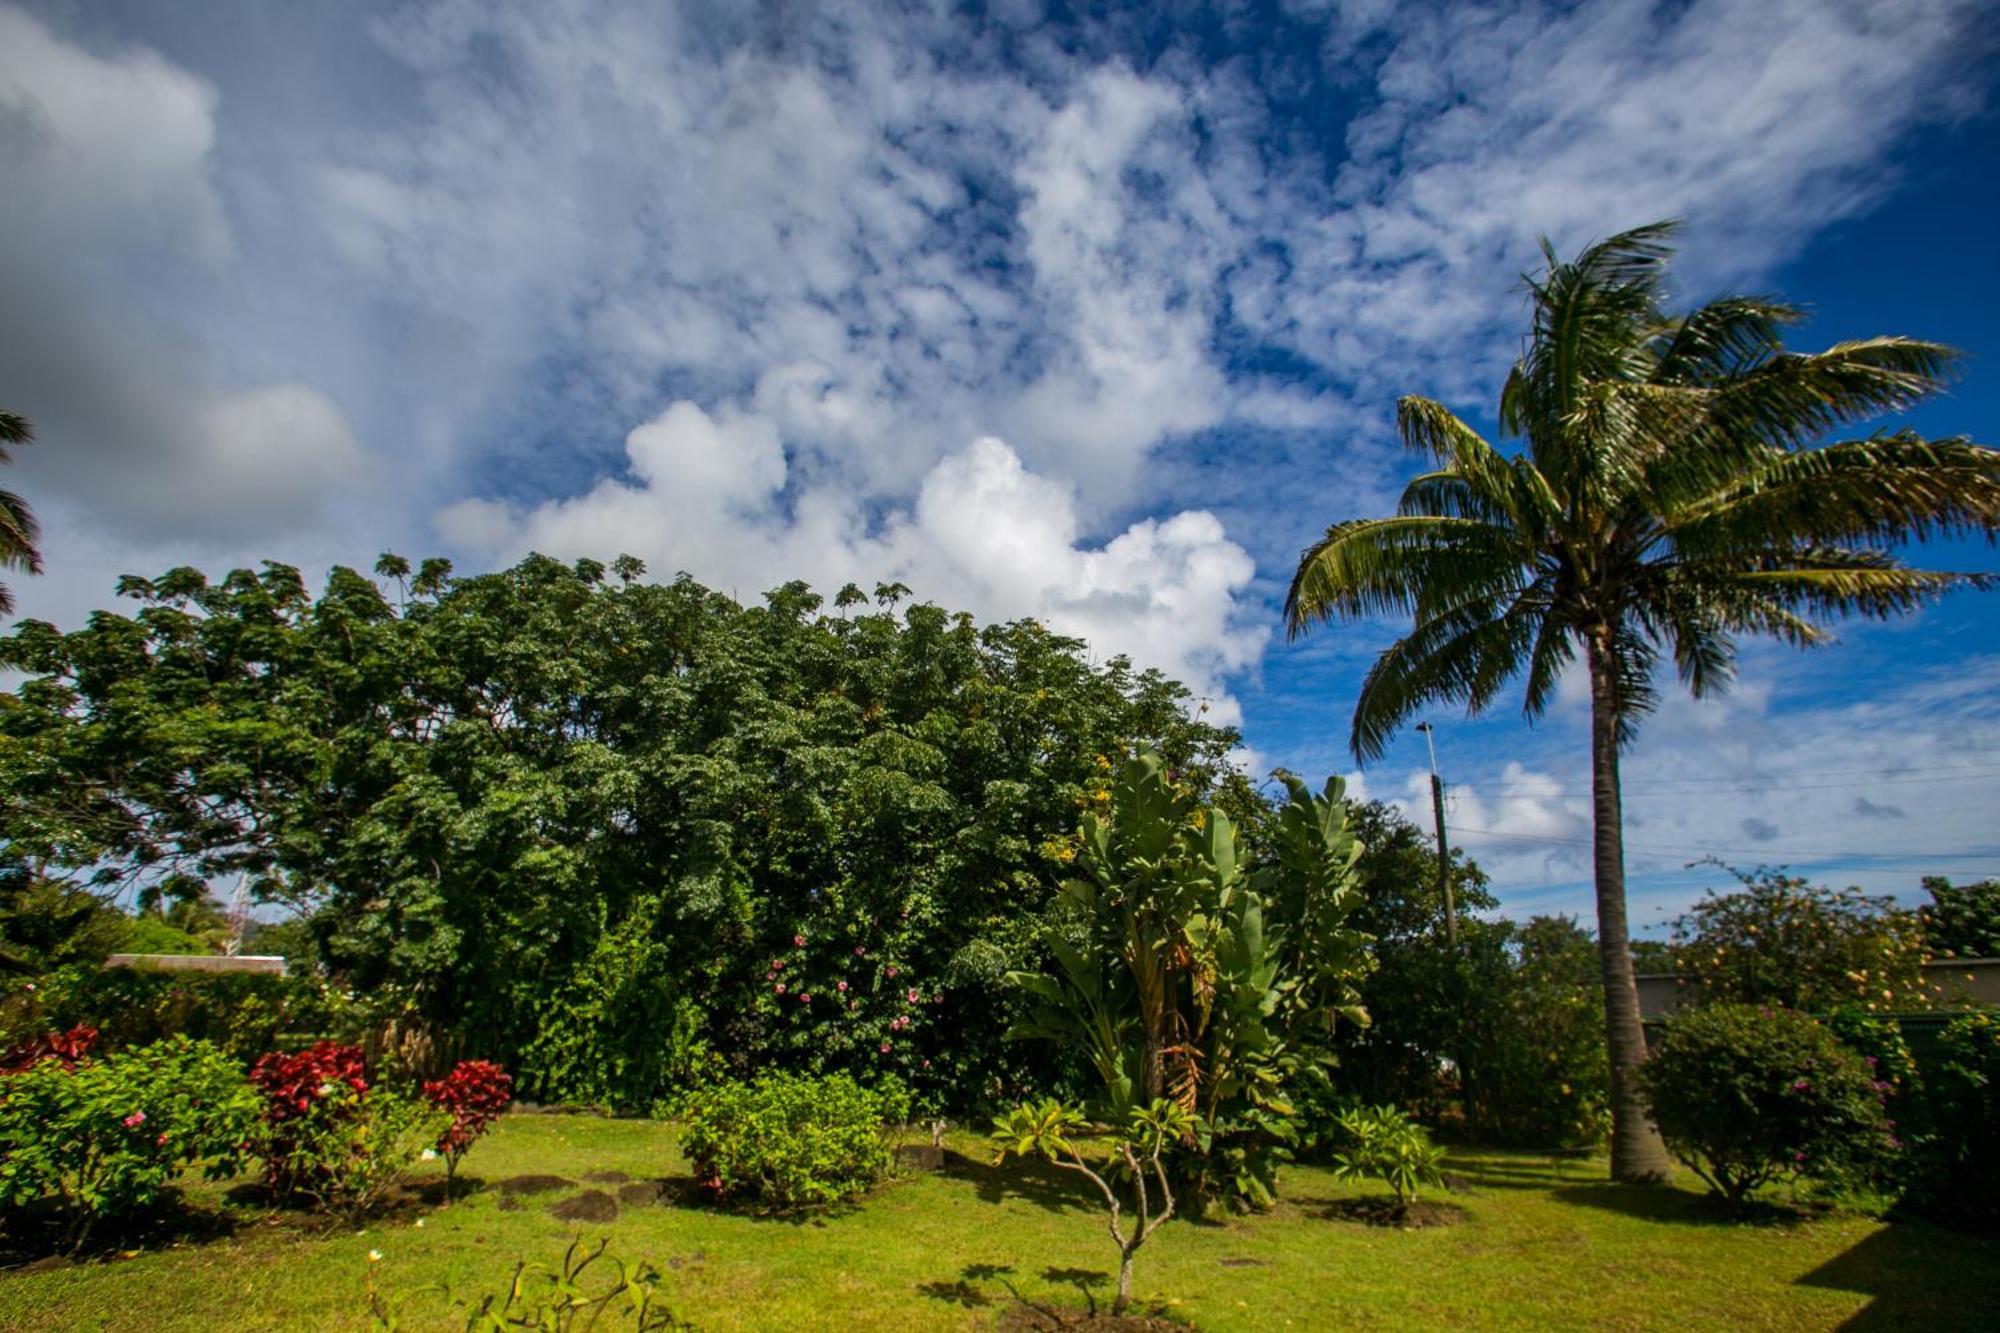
[[983, 534]]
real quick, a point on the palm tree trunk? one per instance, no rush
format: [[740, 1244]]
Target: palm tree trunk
[[1637, 1154]]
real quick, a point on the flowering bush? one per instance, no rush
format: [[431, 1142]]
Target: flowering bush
[[328, 1138], [473, 1094], [1780, 939], [789, 1141], [1745, 1095], [107, 1137], [69, 1048]]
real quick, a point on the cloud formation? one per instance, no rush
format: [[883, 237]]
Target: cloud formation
[[113, 216], [1084, 319]]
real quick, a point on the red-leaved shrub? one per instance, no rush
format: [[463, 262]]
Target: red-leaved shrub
[[70, 1047], [327, 1079], [474, 1094]]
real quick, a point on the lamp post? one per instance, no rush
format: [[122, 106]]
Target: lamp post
[[1444, 851]]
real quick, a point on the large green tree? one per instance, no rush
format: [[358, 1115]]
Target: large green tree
[[1674, 493], [601, 828]]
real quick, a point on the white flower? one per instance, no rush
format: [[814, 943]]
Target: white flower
[[420, 1221], [374, 1256], [428, 1155]]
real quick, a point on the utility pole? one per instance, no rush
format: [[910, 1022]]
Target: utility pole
[[1444, 850]]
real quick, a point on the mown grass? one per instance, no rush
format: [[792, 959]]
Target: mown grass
[[1541, 1247]]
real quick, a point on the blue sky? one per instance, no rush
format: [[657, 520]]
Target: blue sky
[[1090, 313]]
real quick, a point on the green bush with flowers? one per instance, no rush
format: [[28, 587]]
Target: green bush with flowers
[[790, 1141], [107, 1137], [1747, 1094]]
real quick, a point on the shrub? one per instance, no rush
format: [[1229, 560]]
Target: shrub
[[107, 1137], [790, 1141], [1384, 1144], [1746, 1095], [1955, 1173], [329, 1139], [473, 1094], [1783, 940]]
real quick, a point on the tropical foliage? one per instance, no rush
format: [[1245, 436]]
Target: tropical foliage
[[1673, 495], [1193, 972], [1383, 1143]]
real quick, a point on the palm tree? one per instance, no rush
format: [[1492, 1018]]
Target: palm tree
[[18, 529], [1672, 496]]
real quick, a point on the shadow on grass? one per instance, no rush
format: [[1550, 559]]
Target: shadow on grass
[[1021, 1313], [1660, 1203], [1045, 1186], [1919, 1276], [37, 1237], [1515, 1173]]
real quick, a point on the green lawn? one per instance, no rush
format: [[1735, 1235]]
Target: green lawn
[[1540, 1248]]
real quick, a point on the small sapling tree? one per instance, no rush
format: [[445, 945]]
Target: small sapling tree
[[1386, 1145], [1045, 1129]]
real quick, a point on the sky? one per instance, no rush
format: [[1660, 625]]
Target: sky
[[1095, 314]]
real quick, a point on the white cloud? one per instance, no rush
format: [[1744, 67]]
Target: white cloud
[[1759, 121], [983, 534]]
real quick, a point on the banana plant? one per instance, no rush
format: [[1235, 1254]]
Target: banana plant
[[1191, 976]]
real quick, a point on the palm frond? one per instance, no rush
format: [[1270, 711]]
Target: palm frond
[[1884, 488], [1467, 654], [1726, 337], [19, 533], [1793, 400], [1412, 563]]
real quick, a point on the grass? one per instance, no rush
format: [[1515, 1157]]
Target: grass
[[1541, 1246]]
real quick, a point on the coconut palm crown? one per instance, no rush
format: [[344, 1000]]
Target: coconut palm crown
[[18, 529], [1673, 495]]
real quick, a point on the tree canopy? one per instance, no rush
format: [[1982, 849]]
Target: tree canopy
[[611, 832]]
